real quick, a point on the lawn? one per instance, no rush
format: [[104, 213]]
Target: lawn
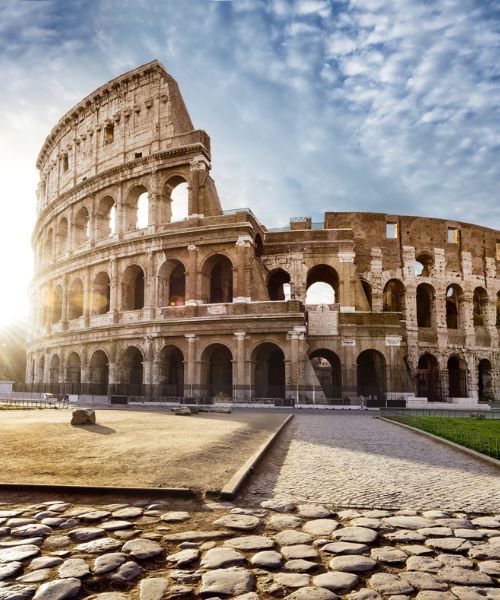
[[482, 435]]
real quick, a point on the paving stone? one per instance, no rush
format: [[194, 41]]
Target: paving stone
[[248, 596], [323, 527], [228, 582], [153, 588], [19, 553], [177, 516], [250, 542], [371, 523], [434, 595], [11, 513], [474, 593], [184, 557], [197, 536], [435, 514], [437, 531], [299, 565], [85, 534], [405, 535], [36, 576], [464, 576], [9, 569], [423, 581], [312, 593], [244, 522], [20, 522], [454, 523], [129, 512], [359, 535], [336, 582], [290, 537], [99, 546], [179, 591], [108, 596], [267, 559], [365, 594], [423, 563], [416, 549], [280, 522], [69, 524], [455, 560], [74, 567], [388, 554], [488, 522], [128, 571], [93, 516], [490, 567], [58, 589], [345, 548], [115, 525], [53, 522], [413, 522], [387, 583], [38, 541], [448, 544], [142, 549], [278, 506], [108, 562], [299, 551], [313, 511], [292, 580], [56, 542], [480, 552], [17, 592], [352, 563], [217, 558]]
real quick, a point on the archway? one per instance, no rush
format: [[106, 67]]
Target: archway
[[105, 217], [99, 373], [218, 274], [371, 375], [485, 381], [328, 369], [81, 226], [367, 289], [425, 305], [498, 310], [133, 288], [268, 371], [62, 236], [101, 294], [177, 194], [424, 264], [54, 369], [394, 296], [49, 245], [172, 284], [278, 285], [171, 372], [73, 374], [428, 380], [454, 296], [75, 299], [132, 370], [217, 371], [480, 303], [57, 304], [322, 285], [457, 378], [137, 215]]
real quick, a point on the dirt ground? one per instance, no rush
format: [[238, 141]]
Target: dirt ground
[[129, 448]]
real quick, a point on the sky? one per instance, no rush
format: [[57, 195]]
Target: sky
[[311, 105]]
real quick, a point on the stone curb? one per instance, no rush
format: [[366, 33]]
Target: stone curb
[[488, 459], [90, 489], [231, 488]]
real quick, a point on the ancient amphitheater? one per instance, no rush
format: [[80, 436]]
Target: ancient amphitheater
[[131, 302]]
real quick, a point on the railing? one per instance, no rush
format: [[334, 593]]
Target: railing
[[48, 401]]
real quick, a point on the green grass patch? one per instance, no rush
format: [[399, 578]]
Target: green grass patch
[[482, 435]]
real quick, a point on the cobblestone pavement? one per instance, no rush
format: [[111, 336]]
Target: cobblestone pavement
[[155, 550], [358, 461]]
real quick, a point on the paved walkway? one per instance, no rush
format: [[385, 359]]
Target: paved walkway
[[354, 460]]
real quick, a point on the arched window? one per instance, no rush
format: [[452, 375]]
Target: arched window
[[218, 279], [101, 294], [132, 370], [133, 288], [179, 198], [367, 289], [99, 373], [105, 217], [423, 265], [137, 216], [394, 296], [328, 370], [75, 306], [49, 245], [428, 380], [171, 372], [454, 298], [73, 368], [217, 372], [457, 378], [371, 375], [259, 246], [425, 305], [62, 236], [81, 226], [54, 369], [269, 371], [480, 304], [485, 381], [57, 304], [322, 285], [276, 283]]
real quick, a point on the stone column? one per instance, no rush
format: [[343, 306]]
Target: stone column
[[87, 298], [192, 276], [468, 313], [376, 269], [113, 289], [149, 288], [71, 228], [346, 290], [293, 392], [239, 385], [243, 246], [64, 303], [190, 372]]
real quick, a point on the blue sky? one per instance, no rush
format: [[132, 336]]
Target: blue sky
[[311, 105]]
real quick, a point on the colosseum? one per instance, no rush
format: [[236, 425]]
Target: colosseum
[[132, 303]]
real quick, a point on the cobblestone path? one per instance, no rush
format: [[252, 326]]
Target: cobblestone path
[[358, 461]]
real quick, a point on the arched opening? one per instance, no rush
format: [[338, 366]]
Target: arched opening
[[217, 370], [428, 380], [278, 284], [132, 370], [423, 265], [371, 375], [259, 246], [81, 227], [105, 218], [218, 272], [142, 211], [62, 236], [177, 193], [425, 305], [498, 310], [328, 369], [57, 304], [367, 289], [171, 372], [454, 297], [75, 299], [172, 284], [394, 296], [322, 285], [41, 369], [101, 294], [73, 369], [133, 288], [49, 245], [457, 378], [99, 373], [55, 364], [137, 216], [480, 306], [268, 371], [485, 389]]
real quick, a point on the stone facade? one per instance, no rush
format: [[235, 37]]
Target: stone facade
[[214, 305]]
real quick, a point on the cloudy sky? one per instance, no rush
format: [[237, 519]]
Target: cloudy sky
[[312, 105]]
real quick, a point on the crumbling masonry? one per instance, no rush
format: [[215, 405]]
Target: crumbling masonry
[[213, 306]]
